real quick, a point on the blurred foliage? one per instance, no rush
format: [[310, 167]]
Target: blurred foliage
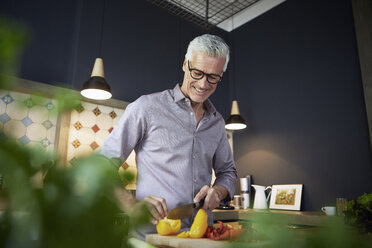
[[47, 204], [270, 230], [359, 213]]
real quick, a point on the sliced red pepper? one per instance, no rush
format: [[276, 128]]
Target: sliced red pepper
[[223, 232]]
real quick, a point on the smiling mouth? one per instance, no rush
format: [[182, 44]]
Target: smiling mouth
[[199, 91]]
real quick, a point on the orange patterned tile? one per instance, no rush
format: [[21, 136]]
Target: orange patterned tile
[[78, 125], [94, 145], [80, 109], [96, 111], [113, 114], [95, 128], [76, 143]]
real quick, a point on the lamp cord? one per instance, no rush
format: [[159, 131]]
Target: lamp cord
[[102, 23], [233, 45], [206, 14]]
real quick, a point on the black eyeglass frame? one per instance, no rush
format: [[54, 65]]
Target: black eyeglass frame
[[203, 74]]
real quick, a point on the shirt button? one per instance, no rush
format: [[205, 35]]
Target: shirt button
[[191, 113], [186, 100], [194, 180], [193, 156]]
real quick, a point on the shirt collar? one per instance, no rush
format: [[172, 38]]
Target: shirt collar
[[178, 96]]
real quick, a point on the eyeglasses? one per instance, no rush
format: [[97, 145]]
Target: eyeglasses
[[198, 74]]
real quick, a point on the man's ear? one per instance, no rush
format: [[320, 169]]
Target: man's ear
[[184, 65]]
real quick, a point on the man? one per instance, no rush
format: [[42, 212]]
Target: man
[[179, 137]]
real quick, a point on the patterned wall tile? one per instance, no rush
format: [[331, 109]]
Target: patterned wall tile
[[85, 135], [3, 93], [17, 110], [24, 140], [2, 107], [77, 125], [18, 96], [96, 111], [94, 145], [88, 106], [36, 132], [29, 119], [7, 99], [15, 129], [74, 116], [87, 118], [105, 121], [4, 118], [90, 127], [105, 109], [51, 134], [101, 136], [38, 114]]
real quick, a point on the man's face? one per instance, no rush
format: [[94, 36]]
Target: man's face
[[199, 90]]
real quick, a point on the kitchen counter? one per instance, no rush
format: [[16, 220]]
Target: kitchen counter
[[291, 217], [301, 224], [172, 241]]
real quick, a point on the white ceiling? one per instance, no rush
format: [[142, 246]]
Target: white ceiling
[[248, 14]]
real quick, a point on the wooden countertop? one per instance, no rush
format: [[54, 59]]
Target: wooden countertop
[[173, 241]]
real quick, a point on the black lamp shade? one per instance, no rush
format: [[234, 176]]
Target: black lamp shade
[[235, 122], [96, 88], [97, 83]]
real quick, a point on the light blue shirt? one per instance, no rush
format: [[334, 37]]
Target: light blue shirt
[[175, 156]]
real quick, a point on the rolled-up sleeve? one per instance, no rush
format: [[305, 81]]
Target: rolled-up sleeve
[[224, 167]]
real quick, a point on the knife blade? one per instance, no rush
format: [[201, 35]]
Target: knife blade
[[184, 211]]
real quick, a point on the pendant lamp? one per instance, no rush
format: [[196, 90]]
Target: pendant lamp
[[235, 121], [96, 87]]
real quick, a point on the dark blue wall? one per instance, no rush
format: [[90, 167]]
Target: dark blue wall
[[143, 46], [297, 80], [299, 86]]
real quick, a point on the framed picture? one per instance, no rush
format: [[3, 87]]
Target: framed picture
[[286, 197]]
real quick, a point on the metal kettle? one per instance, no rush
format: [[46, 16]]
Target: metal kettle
[[260, 199]]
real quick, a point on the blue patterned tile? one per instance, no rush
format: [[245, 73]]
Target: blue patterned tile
[[24, 140], [47, 124], [4, 118], [49, 106], [7, 99], [27, 121], [29, 103], [45, 142]]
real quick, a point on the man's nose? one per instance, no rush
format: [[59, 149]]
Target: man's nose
[[203, 83]]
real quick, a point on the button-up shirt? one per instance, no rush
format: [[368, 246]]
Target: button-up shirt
[[175, 155]]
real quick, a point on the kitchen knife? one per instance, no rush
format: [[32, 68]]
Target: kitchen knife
[[184, 211]]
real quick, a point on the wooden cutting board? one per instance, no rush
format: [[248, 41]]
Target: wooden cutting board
[[173, 241]]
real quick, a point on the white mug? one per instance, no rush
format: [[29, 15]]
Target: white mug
[[329, 210]]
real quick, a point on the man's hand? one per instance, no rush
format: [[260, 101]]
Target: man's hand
[[157, 206], [213, 196]]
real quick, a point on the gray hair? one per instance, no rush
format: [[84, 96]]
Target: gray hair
[[212, 45]]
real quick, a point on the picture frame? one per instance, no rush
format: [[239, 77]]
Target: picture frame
[[286, 196]]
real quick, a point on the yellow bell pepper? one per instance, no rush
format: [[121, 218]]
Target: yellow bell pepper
[[184, 235], [200, 224], [168, 226]]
